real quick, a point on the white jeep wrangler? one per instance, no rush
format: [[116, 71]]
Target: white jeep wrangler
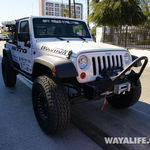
[[56, 53]]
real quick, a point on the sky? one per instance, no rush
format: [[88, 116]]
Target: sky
[[16, 9]]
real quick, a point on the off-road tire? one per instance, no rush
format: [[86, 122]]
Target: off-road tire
[[9, 74], [126, 99], [51, 104]]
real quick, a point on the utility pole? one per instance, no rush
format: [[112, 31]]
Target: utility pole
[[88, 13], [69, 9], [74, 8], [32, 8]]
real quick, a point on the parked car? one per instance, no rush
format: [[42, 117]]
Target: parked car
[[4, 37]]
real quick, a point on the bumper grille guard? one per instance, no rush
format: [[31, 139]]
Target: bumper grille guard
[[136, 76]]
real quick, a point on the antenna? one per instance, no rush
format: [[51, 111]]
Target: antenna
[[32, 8]]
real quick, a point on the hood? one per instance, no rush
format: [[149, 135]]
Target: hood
[[78, 47]]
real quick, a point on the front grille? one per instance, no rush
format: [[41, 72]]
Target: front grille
[[103, 62]]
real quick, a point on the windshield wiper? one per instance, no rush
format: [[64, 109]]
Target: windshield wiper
[[59, 38], [64, 39], [81, 38]]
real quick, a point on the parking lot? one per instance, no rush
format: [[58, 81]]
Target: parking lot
[[19, 128]]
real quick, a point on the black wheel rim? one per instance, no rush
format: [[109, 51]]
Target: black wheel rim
[[42, 106]]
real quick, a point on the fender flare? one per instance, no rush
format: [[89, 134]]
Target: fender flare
[[7, 53], [64, 67]]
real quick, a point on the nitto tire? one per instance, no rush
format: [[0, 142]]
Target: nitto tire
[[51, 104], [126, 99], [9, 75]]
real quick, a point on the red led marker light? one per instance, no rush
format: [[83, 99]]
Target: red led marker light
[[82, 75], [54, 70]]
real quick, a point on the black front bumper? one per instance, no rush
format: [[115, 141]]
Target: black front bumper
[[98, 88]]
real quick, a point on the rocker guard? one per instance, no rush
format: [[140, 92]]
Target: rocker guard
[[94, 89]]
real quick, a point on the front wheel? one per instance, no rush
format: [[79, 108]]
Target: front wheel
[[51, 104], [126, 99]]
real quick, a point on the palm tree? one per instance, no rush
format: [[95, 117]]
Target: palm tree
[[74, 8], [65, 12], [88, 13], [69, 8]]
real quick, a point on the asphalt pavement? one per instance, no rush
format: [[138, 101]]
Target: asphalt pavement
[[19, 129]]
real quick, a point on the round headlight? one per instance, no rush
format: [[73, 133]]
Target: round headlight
[[82, 61], [126, 58]]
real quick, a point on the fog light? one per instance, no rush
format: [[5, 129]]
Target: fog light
[[82, 75]]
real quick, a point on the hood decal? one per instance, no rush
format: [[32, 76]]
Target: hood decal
[[67, 53], [75, 48]]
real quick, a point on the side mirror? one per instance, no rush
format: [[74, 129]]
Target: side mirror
[[23, 36]]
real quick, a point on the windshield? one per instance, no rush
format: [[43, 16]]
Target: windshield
[[45, 28]]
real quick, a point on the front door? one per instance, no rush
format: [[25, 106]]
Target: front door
[[23, 49]]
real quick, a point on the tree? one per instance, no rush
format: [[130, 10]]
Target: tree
[[74, 3], [69, 8], [88, 13], [145, 9], [65, 12], [117, 13], [93, 30]]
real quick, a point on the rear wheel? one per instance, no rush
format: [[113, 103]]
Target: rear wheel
[[51, 104], [126, 99], [9, 75]]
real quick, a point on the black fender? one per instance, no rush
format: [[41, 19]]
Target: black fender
[[7, 53], [139, 63], [64, 67]]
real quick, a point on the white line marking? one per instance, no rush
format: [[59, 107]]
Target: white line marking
[[141, 112]]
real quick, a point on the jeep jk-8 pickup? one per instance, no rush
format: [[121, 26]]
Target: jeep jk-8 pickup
[[58, 54]]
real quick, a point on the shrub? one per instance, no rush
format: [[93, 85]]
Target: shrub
[[143, 42]]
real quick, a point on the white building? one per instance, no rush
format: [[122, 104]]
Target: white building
[[50, 8]]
